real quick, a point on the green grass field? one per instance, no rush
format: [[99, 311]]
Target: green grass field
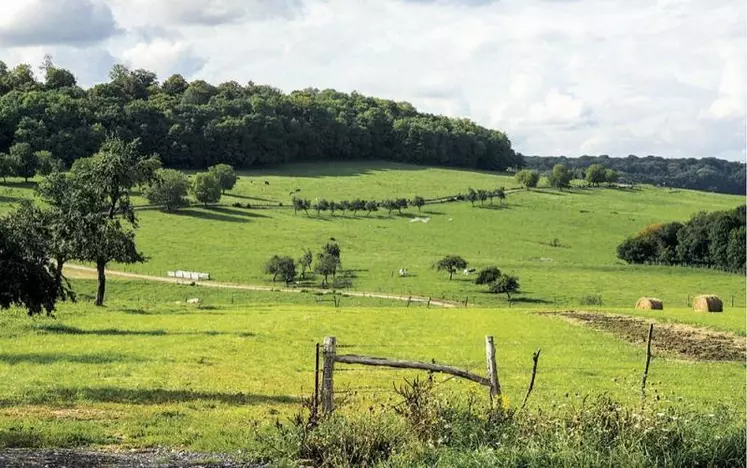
[[142, 372], [233, 243], [150, 370]]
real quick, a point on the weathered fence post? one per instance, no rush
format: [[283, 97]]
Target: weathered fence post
[[428, 306], [648, 361], [495, 386], [329, 353], [316, 383]]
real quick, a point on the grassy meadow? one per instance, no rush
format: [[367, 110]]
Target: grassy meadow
[[144, 372], [585, 225], [150, 370]]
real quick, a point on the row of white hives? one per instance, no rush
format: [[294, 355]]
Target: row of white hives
[[189, 275]]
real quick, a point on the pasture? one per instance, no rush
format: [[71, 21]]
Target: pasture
[[147, 371], [561, 245]]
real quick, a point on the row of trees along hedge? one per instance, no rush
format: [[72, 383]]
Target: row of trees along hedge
[[711, 240], [711, 174], [197, 124]]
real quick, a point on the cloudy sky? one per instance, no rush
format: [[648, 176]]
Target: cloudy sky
[[572, 77]]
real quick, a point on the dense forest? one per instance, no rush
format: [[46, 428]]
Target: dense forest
[[196, 124], [707, 174], [708, 240]]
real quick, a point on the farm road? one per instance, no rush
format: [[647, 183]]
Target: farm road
[[88, 272]]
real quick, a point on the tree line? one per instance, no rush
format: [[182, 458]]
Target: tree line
[[707, 174], [708, 240], [197, 124], [327, 262]]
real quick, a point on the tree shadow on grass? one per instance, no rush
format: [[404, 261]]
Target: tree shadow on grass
[[9, 199], [147, 396], [209, 215], [58, 328], [236, 212], [246, 197], [51, 358], [529, 300]]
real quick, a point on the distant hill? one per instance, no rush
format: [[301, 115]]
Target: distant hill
[[197, 124], [707, 174]]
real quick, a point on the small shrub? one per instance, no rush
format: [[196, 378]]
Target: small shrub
[[592, 300], [236, 205]]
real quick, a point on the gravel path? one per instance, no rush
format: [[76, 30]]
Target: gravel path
[[252, 287], [162, 458]]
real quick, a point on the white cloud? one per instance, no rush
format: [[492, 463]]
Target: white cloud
[[55, 22], [585, 76], [164, 57]]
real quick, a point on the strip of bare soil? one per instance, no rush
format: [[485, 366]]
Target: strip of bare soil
[[683, 340], [25, 458]]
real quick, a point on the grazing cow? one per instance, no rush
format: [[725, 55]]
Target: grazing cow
[[194, 300], [403, 272], [267, 183], [469, 271]]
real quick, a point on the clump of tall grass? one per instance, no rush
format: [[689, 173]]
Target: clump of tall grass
[[426, 429]]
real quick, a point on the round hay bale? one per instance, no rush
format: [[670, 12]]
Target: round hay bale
[[708, 303], [649, 303]]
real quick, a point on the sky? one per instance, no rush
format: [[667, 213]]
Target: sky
[[572, 77]]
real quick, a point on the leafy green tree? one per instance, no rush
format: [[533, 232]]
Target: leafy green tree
[[500, 193], [560, 177], [401, 204], [595, 174], [488, 275], [735, 251], [451, 264], [6, 167], [371, 206], [326, 264], [287, 269], [389, 205], [321, 205], [472, 196], [611, 176], [28, 278], [175, 85], [482, 195], [100, 197], [225, 175], [48, 163], [333, 249], [359, 205], [24, 159], [528, 178], [117, 168], [206, 188], [505, 284], [301, 204], [272, 267], [344, 206], [168, 189], [419, 202], [333, 206], [305, 262]]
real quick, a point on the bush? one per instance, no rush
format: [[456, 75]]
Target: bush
[[527, 178], [169, 189], [488, 275], [592, 300]]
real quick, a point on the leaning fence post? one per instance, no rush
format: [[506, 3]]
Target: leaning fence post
[[329, 353], [495, 386], [648, 361]]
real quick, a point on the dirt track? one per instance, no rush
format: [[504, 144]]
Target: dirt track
[[683, 340], [76, 270]]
